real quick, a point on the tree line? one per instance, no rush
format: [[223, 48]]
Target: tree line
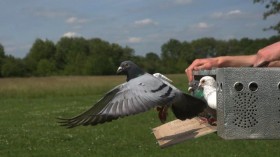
[[80, 56]]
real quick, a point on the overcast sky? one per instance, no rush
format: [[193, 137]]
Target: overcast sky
[[143, 25]]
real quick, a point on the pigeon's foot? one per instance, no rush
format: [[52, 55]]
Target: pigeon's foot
[[212, 121], [203, 120], [162, 113]]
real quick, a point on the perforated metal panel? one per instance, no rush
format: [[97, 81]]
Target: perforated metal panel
[[248, 102], [245, 110]]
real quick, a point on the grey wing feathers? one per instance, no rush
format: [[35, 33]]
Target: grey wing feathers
[[137, 95]]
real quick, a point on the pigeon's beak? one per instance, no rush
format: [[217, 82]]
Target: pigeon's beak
[[120, 69], [199, 85], [190, 89]]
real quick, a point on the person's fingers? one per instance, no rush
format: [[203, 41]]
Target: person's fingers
[[201, 67], [189, 70], [274, 64], [189, 73], [194, 66], [261, 64], [205, 66]]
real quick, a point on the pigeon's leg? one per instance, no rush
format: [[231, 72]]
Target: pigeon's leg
[[203, 120], [162, 113], [210, 120]]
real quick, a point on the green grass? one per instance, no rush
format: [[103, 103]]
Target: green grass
[[28, 125]]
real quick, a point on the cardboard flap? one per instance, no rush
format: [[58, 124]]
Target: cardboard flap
[[178, 131]]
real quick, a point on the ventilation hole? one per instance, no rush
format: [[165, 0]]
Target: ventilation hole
[[221, 86], [238, 86], [245, 110], [253, 86], [278, 85]]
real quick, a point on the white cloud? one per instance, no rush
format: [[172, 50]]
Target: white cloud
[[71, 34], [201, 25], [75, 20], [134, 40], [145, 22], [232, 13]]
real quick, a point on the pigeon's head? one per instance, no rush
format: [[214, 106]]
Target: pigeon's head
[[130, 69], [125, 67], [193, 85], [207, 81]]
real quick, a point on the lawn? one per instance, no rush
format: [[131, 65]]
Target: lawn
[[28, 125]]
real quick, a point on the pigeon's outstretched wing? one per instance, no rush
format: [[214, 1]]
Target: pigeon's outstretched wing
[[137, 95], [162, 77]]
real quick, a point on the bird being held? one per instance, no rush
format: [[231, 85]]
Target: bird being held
[[209, 86], [140, 93], [208, 115], [194, 90]]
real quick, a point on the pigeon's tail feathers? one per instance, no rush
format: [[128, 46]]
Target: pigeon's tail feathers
[[188, 107]]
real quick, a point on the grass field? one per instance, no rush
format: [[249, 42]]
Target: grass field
[[28, 125]]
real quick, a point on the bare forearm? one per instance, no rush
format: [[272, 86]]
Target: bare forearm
[[236, 61]]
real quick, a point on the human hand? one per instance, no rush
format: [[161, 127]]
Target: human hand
[[201, 64], [267, 54], [274, 64]]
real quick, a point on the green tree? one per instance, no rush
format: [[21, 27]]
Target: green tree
[[152, 63], [120, 54], [40, 50], [45, 67], [71, 55], [233, 47], [2, 52], [170, 54], [13, 67], [272, 8], [204, 47], [107, 55], [2, 57], [100, 65]]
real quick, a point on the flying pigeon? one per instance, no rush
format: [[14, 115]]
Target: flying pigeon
[[162, 110], [162, 77], [140, 93]]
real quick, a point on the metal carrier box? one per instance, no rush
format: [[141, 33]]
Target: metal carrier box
[[248, 102]]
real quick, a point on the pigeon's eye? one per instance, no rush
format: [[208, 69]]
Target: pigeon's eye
[[126, 65], [202, 81]]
